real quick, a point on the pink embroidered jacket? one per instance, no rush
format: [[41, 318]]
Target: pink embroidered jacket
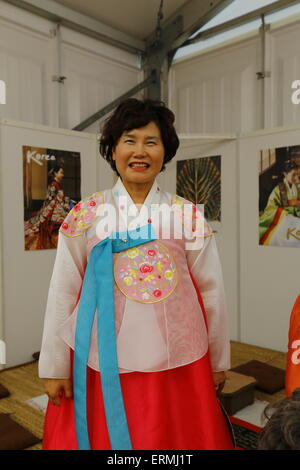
[[158, 319]]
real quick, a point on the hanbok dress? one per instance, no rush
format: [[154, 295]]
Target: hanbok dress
[[41, 230], [170, 324], [279, 218]]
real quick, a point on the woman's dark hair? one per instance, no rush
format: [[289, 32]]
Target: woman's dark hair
[[133, 114], [290, 165], [282, 431], [54, 170]]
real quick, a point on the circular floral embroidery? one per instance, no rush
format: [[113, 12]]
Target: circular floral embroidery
[[146, 273]]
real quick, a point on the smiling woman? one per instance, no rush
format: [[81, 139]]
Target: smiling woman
[[154, 364]]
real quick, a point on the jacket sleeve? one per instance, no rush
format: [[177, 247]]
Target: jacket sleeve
[[65, 285], [205, 266]]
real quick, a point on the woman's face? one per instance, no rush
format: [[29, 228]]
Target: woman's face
[[59, 174], [292, 176], [139, 154]]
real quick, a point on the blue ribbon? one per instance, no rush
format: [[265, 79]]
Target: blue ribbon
[[98, 294]]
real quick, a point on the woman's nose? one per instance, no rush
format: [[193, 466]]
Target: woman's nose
[[140, 150]]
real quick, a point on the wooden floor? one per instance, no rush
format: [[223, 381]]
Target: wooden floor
[[23, 383]]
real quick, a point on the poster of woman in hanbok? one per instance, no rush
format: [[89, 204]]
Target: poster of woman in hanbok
[[279, 197], [199, 181], [51, 180]]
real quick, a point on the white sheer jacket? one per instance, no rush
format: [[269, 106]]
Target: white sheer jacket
[[151, 335]]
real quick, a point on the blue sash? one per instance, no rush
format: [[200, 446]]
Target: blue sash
[[98, 294]]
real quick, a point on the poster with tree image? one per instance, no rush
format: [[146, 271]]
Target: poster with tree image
[[199, 181]]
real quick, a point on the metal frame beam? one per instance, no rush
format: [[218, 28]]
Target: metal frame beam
[[252, 15], [65, 16], [195, 14], [185, 21]]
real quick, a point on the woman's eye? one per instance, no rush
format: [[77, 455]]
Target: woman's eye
[[150, 142], [129, 141]]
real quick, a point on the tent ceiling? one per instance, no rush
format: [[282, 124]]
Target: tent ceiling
[[136, 17]]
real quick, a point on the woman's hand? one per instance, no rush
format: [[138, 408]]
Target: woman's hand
[[219, 381], [54, 388]]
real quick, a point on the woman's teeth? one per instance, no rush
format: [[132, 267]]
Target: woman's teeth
[[138, 165]]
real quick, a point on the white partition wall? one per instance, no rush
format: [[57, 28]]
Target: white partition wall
[[269, 275], [198, 146], [26, 274]]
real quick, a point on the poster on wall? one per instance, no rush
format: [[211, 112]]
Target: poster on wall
[[199, 181], [279, 196], [51, 187]]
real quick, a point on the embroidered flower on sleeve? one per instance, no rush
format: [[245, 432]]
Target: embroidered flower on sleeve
[[82, 216]]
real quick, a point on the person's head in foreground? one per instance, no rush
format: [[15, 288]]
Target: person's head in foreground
[[282, 431], [138, 139]]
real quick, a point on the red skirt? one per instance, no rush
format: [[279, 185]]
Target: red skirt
[[176, 409]]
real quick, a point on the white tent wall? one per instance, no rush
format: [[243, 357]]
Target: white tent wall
[[269, 276], [33, 51], [218, 91]]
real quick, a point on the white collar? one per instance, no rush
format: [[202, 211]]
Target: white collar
[[153, 197], [290, 186], [121, 195]]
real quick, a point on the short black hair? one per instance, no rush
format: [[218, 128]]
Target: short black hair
[[133, 114], [282, 431], [290, 165]]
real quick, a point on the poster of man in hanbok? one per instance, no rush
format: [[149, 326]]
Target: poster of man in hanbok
[[51, 182], [279, 197], [199, 181]]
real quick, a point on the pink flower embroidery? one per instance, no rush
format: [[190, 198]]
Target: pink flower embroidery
[[77, 207], [146, 268], [151, 252]]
